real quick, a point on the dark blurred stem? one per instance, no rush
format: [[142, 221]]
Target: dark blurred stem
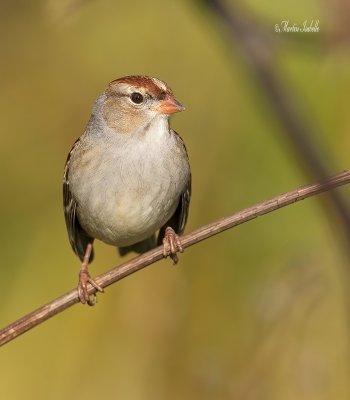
[[117, 273], [256, 47]]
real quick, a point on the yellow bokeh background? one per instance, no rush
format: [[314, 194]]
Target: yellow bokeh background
[[258, 312]]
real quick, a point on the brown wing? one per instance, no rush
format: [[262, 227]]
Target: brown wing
[[78, 238], [179, 218]]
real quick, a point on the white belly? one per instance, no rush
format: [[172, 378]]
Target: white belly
[[125, 196]]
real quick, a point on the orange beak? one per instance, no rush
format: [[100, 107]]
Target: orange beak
[[170, 106]]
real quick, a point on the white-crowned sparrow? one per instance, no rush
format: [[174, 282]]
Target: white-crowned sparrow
[[128, 175]]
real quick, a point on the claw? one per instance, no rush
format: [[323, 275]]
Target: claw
[[171, 245], [85, 278]]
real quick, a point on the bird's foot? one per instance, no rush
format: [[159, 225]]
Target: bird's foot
[[85, 278], [171, 245]]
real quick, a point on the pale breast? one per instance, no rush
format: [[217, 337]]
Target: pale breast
[[127, 190]]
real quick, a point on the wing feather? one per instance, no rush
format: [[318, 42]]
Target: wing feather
[[180, 216], [78, 238]]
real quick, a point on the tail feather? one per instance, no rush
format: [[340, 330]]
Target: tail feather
[[140, 247]]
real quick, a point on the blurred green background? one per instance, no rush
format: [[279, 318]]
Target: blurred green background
[[259, 312]]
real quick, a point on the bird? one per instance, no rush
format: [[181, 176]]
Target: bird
[[127, 177]]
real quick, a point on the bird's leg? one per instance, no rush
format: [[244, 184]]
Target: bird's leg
[[171, 245], [85, 278]]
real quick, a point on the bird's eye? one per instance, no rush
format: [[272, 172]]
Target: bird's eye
[[136, 98], [162, 96]]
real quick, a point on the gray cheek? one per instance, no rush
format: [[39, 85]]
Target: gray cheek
[[119, 114]]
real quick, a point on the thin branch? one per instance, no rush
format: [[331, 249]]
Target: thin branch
[[258, 50], [47, 311]]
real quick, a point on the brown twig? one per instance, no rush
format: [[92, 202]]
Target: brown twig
[[47, 311], [258, 49]]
